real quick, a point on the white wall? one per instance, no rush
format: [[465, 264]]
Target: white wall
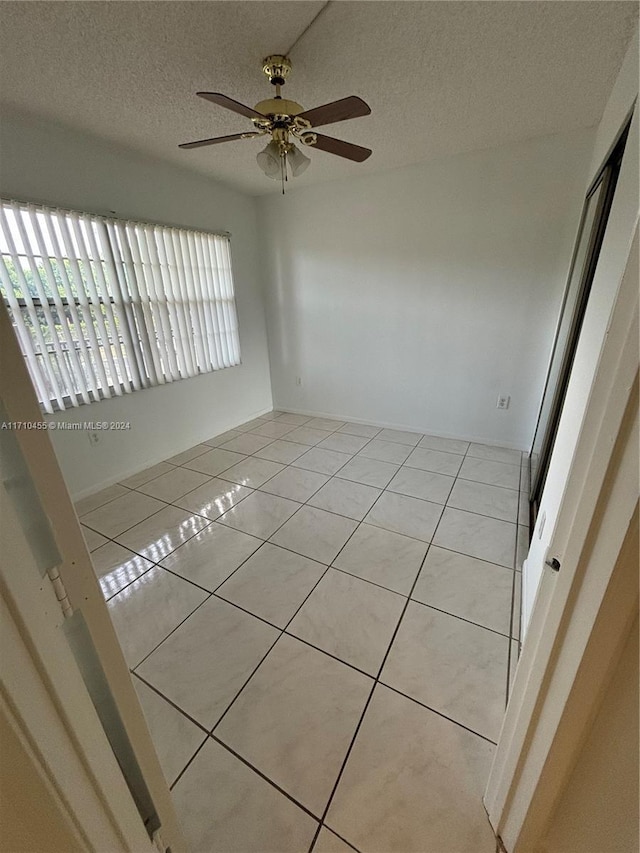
[[611, 265], [44, 162], [414, 297]]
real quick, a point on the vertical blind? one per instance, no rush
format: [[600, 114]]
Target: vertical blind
[[104, 307]]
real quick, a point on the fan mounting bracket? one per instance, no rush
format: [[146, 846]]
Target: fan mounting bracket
[[277, 68]]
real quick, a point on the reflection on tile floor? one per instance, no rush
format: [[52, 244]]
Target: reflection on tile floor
[[323, 623]]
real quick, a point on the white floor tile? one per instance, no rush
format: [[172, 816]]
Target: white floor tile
[[273, 429], [120, 514], [478, 536], [252, 472], [382, 557], [448, 445], [327, 424], [493, 473], [148, 474], [116, 567], [306, 435], [363, 430], [400, 436], [517, 606], [422, 484], [188, 455], [252, 424], [204, 663], [225, 806], [315, 533], [513, 662], [522, 546], [295, 719], [272, 584], [209, 557], [322, 461], [172, 485], [466, 587], [452, 666], [484, 499], [281, 451], [291, 418], [435, 460], [175, 737], [92, 539], [328, 842], [344, 497], [413, 783], [495, 454], [246, 443], [295, 483], [157, 536], [212, 499], [386, 451], [402, 514], [371, 472], [214, 461], [350, 619], [523, 509], [100, 498], [343, 442], [147, 610], [260, 514]]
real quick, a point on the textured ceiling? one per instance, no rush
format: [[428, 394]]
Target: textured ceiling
[[440, 77]]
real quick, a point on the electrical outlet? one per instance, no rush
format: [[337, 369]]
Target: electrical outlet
[[298, 380], [503, 402], [94, 438]]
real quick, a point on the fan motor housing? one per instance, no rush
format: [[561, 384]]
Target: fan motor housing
[[278, 107]]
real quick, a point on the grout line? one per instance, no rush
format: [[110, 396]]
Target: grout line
[[439, 713], [151, 686], [189, 762], [262, 776], [344, 840], [172, 631], [370, 582], [364, 710], [462, 618], [282, 630]]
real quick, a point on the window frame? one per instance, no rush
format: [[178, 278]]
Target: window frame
[[150, 281]]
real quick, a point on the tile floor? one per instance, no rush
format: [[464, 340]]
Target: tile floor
[[322, 622]]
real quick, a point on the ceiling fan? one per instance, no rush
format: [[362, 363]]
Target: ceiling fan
[[284, 121]]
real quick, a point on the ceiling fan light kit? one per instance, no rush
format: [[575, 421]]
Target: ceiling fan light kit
[[284, 121]]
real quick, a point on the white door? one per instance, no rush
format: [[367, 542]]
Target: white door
[[64, 685]]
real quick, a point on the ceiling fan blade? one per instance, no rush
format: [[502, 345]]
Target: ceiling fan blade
[[342, 149], [351, 107], [230, 104], [216, 139]]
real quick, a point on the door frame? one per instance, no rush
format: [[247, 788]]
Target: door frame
[[34, 608], [573, 644]]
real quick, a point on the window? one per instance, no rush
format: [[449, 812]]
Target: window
[[104, 307]]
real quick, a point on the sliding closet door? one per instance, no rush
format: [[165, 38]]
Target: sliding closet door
[[590, 235]]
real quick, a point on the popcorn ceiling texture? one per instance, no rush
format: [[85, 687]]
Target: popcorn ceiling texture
[[441, 77]]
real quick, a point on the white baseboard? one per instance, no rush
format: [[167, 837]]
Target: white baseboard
[[405, 427], [110, 481]]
